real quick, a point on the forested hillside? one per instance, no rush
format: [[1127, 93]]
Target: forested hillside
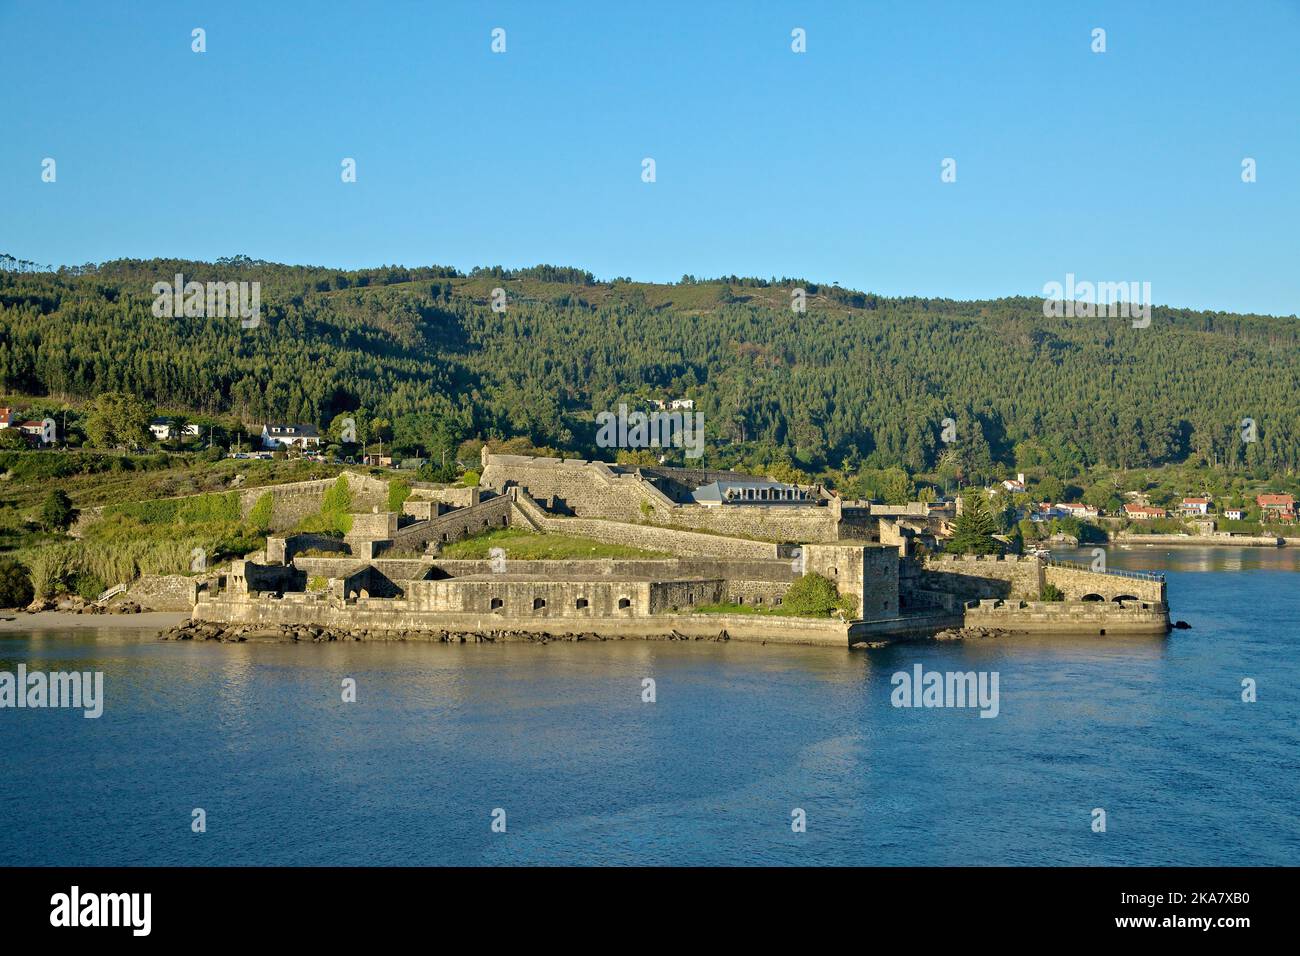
[[856, 380]]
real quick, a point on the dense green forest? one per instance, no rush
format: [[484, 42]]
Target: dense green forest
[[856, 381]]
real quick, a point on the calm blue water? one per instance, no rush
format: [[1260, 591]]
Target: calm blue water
[[1151, 730]]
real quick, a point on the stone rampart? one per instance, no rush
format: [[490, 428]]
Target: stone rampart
[[390, 619], [165, 592], [972, 577], [1069, 617], [593, 489], [1078, 584], [284, 550]]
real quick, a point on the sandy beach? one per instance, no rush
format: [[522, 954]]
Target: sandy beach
[[62, 620]]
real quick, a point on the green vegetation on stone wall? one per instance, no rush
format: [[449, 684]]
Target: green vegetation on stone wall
[[522, 545]]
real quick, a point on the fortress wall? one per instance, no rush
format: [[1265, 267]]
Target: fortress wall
[[284, 550], [767, 522], [755, 593], [297, 500], [369, 526], [1075, 583], [519, 597], [592, 490], [248, 576], [457, 525], [588, 489], [866, 572], [165, 592], [668, 540], [387, 620], [778, 571], [1068, 618], [668, 597], [422, 491], [972, 577]]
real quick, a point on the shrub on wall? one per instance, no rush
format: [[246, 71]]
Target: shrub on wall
[[259, 518], [814, 595], [334, 516], [399, 489]]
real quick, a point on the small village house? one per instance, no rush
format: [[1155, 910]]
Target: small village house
[[162, 429], [276, 435], [1276, 507], [1144, 512], [39, 433]]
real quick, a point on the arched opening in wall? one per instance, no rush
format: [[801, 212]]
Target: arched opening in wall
[[505, 521], [835, 572], [485, 522], [759, 599], [581, 603], [444, 537], [496, 604], [1093, 597], [1123, 597], [690, 597], [624, 603], [740, 599], [778, 601], [539, 604]]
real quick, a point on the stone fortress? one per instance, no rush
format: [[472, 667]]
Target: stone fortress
[[722, 538]]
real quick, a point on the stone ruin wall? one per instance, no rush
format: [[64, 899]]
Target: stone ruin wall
[[591, 490]]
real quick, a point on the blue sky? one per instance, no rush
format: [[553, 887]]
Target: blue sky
[[1117, 166]]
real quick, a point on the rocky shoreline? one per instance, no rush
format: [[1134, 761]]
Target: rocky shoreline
[[76, 605], [315, 634], [970, 633]]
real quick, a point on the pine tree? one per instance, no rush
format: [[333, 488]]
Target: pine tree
[[974, 527]]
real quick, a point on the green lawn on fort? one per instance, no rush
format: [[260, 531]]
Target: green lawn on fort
[[524, 545]]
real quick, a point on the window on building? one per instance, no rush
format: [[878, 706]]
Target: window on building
[[539, 603], [580, 603], [496, 604], [624, 602]]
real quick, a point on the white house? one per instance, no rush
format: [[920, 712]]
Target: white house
[[675, 404], [1075, 509], [1015, 485], [719, 493], [1195, 506], [1234, 514], [276, 435], [162, 428], [44, 431]]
